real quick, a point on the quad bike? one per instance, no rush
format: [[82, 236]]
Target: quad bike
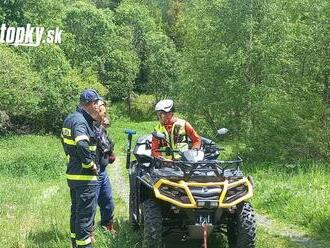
[[195, 196]]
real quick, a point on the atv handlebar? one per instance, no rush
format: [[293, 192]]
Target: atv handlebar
[[239, 160], [165, 150], [130, 131]]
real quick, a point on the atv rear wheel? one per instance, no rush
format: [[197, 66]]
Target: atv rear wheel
[[152, 231], [242, 232]]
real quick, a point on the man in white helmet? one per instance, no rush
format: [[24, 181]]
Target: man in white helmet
[[176, 131]]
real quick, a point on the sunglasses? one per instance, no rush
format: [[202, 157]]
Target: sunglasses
[[159, 113]]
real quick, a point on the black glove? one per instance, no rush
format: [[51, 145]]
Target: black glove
[[111, 158]]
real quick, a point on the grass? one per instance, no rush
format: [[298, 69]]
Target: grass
[[297, 195], [35, 214], [267, 239], [40, 157], [116, 131], [34, 197]]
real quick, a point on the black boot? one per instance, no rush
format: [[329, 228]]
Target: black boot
[[73, 243]]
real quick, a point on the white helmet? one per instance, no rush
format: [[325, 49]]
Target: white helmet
[[165, 105]]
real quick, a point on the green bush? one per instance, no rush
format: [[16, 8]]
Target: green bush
[[143, 108], [39, 88], [282, 132], [118, 111], [59, 86], [63, 97], [20, 93]]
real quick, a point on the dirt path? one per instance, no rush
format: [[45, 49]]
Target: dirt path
[[121, 189], [289, 232], [118, 181]]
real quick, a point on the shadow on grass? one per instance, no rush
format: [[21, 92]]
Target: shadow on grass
[[213, 242], [127, 238], [48, 238], [322, 231]]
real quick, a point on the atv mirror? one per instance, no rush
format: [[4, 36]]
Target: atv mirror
[[222, 131], [158, 135]]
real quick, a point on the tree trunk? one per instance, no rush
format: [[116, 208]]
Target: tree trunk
[[129, 105]]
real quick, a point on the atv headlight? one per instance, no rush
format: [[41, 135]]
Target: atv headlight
[[173, 192], [207, 204], [236, 193], [201, 204]]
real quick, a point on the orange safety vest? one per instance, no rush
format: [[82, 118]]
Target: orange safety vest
[[176, 140]]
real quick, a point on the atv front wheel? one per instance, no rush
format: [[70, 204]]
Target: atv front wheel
[[131, 219], [241, 233], [132, 208], [152, 231]]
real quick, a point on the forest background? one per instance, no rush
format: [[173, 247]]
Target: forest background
[[258, 67]]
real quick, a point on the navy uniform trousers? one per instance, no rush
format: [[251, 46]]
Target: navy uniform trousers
[[83, 208]]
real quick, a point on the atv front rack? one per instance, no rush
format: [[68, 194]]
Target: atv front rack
[[189, 169]]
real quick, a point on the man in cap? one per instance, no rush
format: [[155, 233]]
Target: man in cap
[[176, 131], [79, 143]]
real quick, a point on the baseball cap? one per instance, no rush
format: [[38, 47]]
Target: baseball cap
[[90, 95]]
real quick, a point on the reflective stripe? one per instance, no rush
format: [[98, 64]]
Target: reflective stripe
[[81, 137], [86, 166], [84, 242], [92, 148], [160, 128], [182, 146], [81, 177], [74, 142], [73, 235], [66, 131], [69, 141]]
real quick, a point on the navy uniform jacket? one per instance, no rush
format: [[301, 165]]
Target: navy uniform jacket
[[79, 143]]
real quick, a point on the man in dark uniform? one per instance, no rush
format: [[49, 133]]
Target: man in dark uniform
[[79, 142]]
